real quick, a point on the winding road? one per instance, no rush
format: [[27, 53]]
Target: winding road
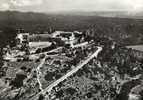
[[79, 66]]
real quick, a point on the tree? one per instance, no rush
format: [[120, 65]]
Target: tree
[[8, 35]]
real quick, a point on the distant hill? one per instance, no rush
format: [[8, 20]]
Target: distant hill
[[128, 29], [119, 14], [63, 21]]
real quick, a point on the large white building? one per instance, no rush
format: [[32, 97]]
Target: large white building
[[22, 40], [22, 37]]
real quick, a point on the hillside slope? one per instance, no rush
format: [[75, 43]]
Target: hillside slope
[[127, 30]]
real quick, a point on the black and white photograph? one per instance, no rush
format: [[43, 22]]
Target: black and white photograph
[[71, 49]]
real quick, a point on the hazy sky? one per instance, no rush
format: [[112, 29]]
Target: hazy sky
[[72, 5]]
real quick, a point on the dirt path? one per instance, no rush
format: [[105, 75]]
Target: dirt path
[[39, 73], [53, 50]]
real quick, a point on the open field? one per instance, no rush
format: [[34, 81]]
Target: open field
[[39, 44]]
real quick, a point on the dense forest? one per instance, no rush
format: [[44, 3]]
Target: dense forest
[[110, 77]]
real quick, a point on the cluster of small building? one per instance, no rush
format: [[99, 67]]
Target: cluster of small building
[[23, 39]]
